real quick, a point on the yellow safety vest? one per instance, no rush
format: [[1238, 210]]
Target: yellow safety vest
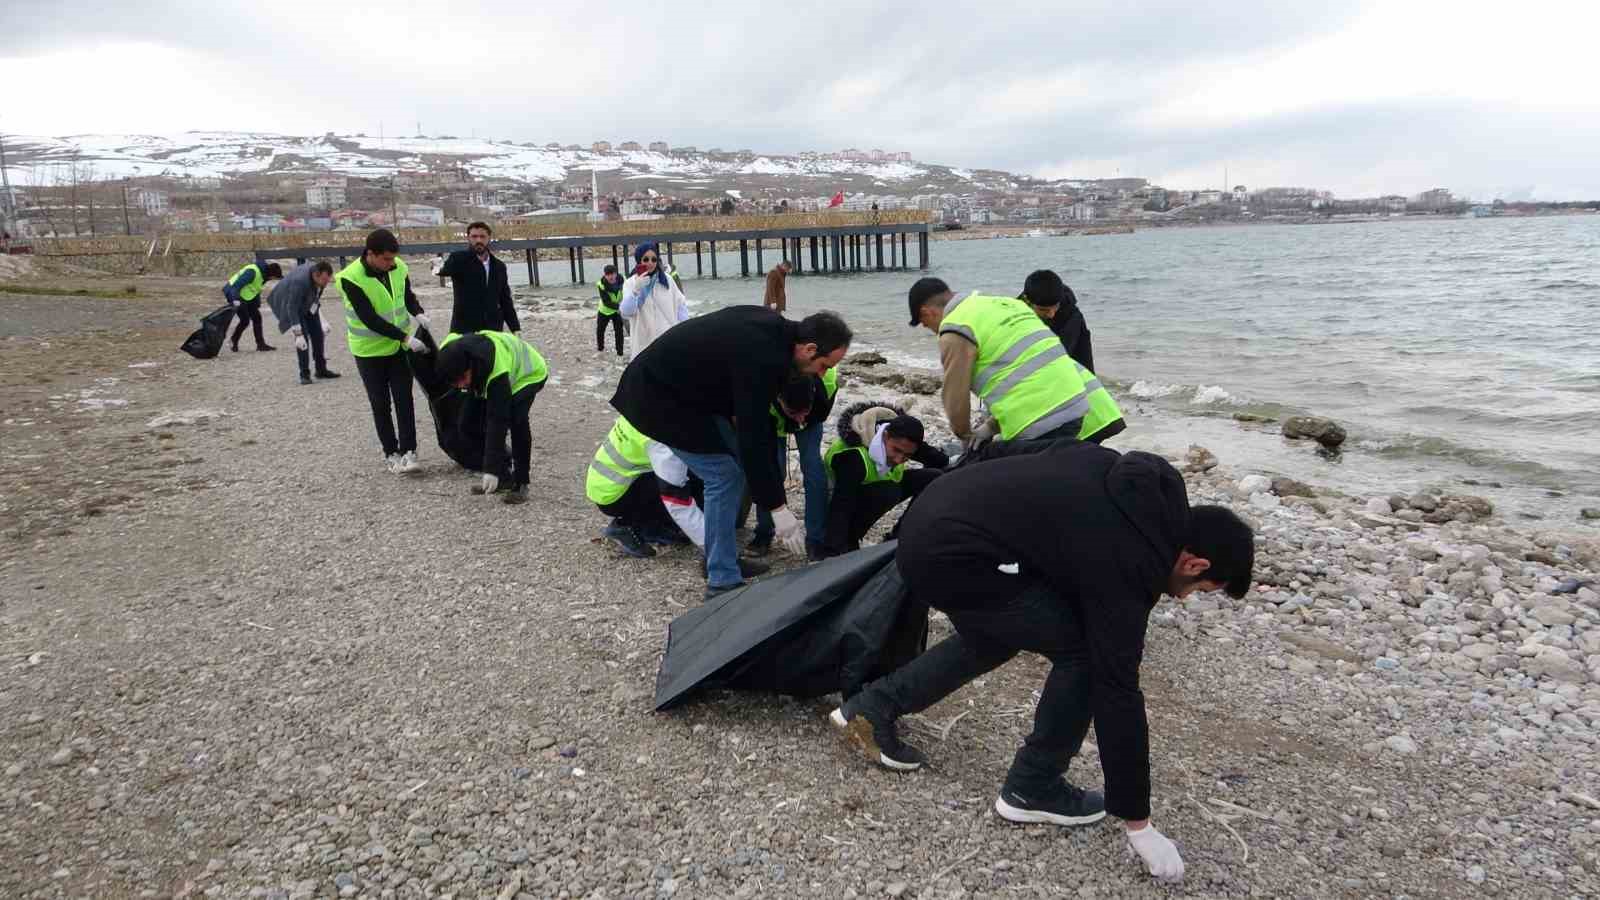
[[514, 358], [619, 461], [388, 298], [1021, 370]]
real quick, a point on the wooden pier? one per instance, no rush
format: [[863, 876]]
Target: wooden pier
[[810, 248]]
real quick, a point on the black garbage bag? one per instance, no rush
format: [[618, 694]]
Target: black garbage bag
[[207, 340], [460, 418], [832, 626]]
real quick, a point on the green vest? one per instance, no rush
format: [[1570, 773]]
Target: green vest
[[874, 474], [257, 281], [610, 301], [514, 358], [1103, 409], [830, 383], [389, 305], [620, 460], [1021, 371]]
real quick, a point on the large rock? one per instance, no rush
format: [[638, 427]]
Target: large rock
[[1288, 487], [1199, 459], [1254, 484], [1326, 432], [866, 359], [1551, 663]]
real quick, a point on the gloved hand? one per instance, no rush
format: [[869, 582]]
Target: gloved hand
[[300, 343], [423, 321], [416, 345], [326, 328], [1159, 853], [491, 483], [294, 330], [789, 531]]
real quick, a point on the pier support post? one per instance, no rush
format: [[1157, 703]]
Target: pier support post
[[699, 267], [670, 263], [761, 264], [572, 262], [581, 276], [713, 259], [530, 268], [923, 240], [614, 264], [744, 258], [799, 257], [879, 241]]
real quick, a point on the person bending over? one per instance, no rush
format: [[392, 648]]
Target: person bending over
[[507, 373], [867, 464]]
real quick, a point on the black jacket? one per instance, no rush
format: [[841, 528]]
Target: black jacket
[[498, 401], [1070, 326], [850, 474], [1103, 530], [482, 304], [369, 316], [729, 364]]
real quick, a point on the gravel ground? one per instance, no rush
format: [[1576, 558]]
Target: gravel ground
[[244, 660]]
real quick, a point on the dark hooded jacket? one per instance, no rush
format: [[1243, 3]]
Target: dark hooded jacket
[[1101, 529], [1070, 326], [477, 352], [727, 366]]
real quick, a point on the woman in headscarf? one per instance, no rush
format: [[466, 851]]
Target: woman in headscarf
[[651, 301]]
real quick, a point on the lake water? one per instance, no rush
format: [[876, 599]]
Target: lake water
[[1452, 350]]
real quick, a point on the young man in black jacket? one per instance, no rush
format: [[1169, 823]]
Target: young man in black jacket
[[1061, 550], [481, 285], [867, 467], [704, 388], [1057, 305]]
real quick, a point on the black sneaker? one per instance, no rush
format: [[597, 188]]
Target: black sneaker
[[305, 379], [714, 592], [1060, 804], [875, 736], [629, 542], [234, 346], [263, 348], [516, 495], [327, 373]]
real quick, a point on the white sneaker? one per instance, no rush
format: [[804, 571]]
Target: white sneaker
[[393, 462], [408, 463]]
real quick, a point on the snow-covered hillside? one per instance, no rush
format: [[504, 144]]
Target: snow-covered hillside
[[217, 154]]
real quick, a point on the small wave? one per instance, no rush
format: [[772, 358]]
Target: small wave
[[1213, 395], [1150, 390], [1198, 395]]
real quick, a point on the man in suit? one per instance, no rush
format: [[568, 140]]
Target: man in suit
[[482, 289]]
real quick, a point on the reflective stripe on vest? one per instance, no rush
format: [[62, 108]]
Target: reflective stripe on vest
[[1103, 409], [389, 307], [874, 474], [610, 301], [1021, 370], [257, 281], [516, 359], [619, 461]]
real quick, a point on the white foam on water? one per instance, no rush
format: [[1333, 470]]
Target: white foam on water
[[1153, 390], [1213, 395]]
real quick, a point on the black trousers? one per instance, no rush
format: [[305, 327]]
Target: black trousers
[[600, 323], [388, 378], [248, 314], [311, 327], [872, 502], [522, 432], [996, 616], [641, 506]]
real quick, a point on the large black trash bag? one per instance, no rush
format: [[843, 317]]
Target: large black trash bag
[[829, 627], [459, 417], [207, 340]]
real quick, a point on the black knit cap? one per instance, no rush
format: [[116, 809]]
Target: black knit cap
[[924, 290]]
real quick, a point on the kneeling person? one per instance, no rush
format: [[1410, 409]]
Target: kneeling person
[[1062, 552], [649, 502], [868, 467], [508, 374]]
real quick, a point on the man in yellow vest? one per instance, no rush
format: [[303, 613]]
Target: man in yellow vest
[[867, 465], [382, 317], [609, 311], [645, 490], [506, 372], [243, 293], [997, 348]]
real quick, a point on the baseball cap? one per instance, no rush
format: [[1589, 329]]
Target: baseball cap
[[921, 292]]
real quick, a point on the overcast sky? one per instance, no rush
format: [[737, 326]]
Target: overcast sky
[[1486, 99]]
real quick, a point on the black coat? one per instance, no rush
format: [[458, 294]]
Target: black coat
[[1070, 327], [1101, 529], [730, 365], [482, 304]]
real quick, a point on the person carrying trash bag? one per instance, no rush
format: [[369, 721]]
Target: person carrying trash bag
[[507, 373], [243, 293], [382, 317], [297, 305]]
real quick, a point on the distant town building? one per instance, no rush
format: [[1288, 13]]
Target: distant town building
[[601, 146], [418, 215], [630, 146], [553, 145], [152, 201], [1240, 195], [687, 148], [659, 147], [1393, 203], [326, 193], [1436, 199], [900, 156], [572, 147], [1082, 211], [1204, 197], [853, 155]]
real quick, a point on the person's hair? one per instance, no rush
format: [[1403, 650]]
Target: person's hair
[[483, 225], [610, 270], [1218, 535], [798, 394], [322, 266], [909, 427], [453, 360], [1044, 288], [926, 289], [383, 240], [271, 271], [826, 330]]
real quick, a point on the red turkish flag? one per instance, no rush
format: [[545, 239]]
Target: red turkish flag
[[838, 200]]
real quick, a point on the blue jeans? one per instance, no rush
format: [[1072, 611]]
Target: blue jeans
[[815, 475], [724, 483]]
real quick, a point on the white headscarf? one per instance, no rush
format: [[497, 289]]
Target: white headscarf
[[877, 450]]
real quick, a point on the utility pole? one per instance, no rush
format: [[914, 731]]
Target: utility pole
[[8, 204], [127, 225], [394, 206]]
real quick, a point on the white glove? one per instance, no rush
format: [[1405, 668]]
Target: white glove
[[789, 531], [422, 321], [300, 342], [416, 345], [1159, 853], [294, 330], [326, 328], [491, 483]]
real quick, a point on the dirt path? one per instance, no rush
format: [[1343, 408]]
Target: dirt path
[[242, 659]]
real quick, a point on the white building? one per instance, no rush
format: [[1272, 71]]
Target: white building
[[153, 202], [1082, 211], [326, 193], [417, 215], [1203, 197]]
